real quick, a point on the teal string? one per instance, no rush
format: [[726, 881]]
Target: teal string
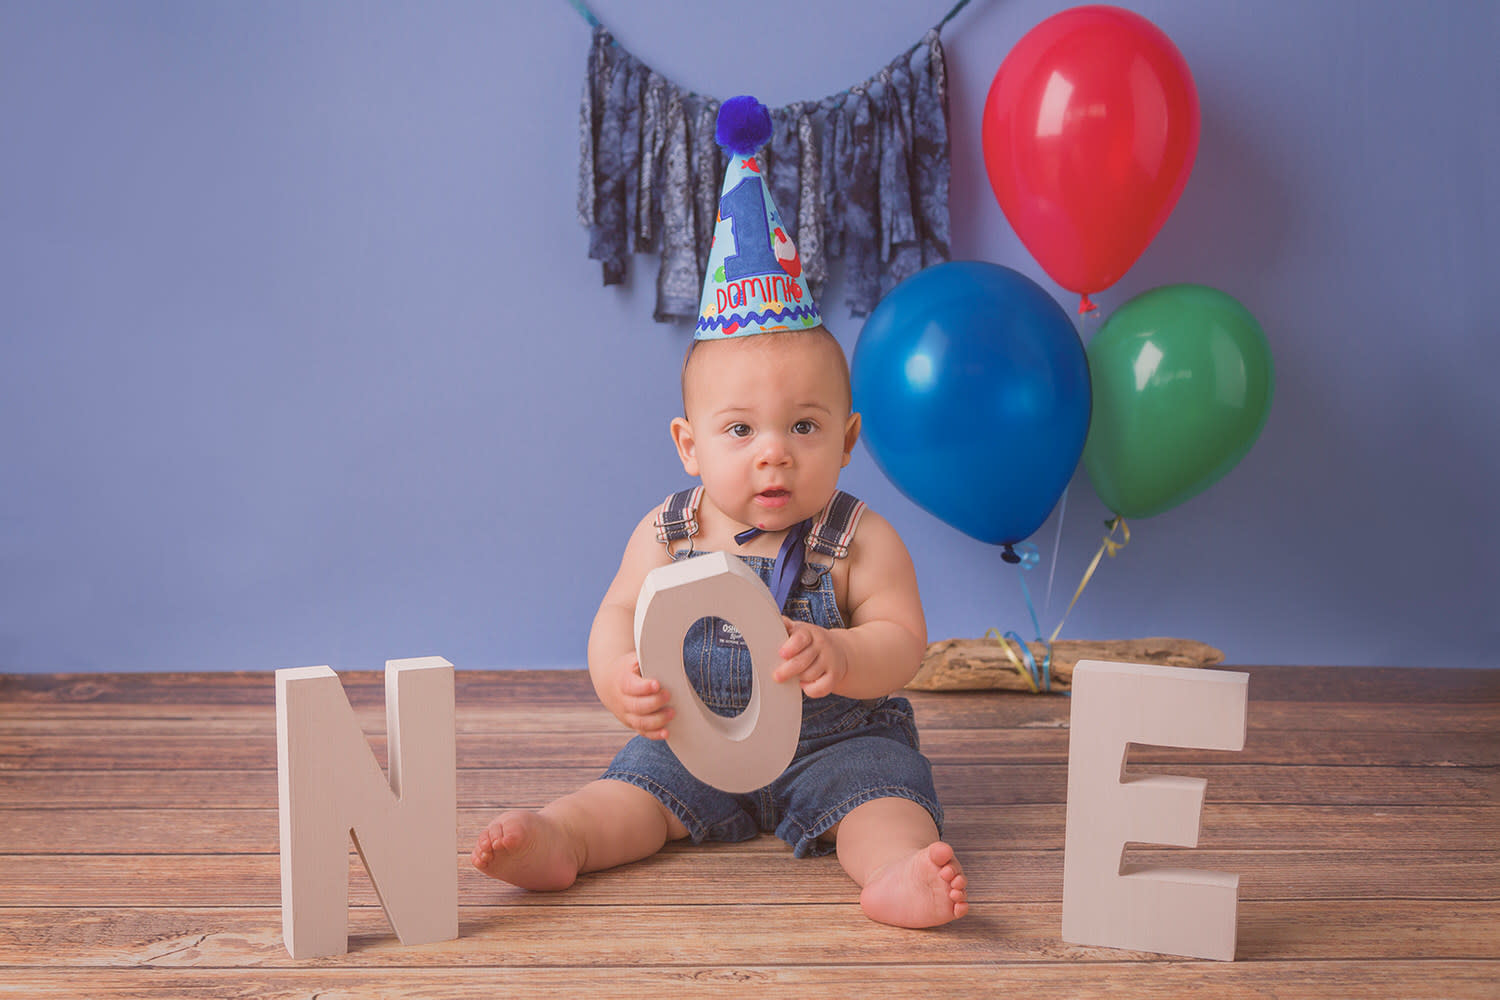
[[587, 14], [827, 103], [593, 21], [1030, 557], [837, 100], [952, 13], [1062, 513]]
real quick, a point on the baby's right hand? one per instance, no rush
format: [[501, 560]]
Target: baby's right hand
[[643, 703]]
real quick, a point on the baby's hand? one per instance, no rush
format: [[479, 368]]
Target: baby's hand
[[812, 655], [643, 703]]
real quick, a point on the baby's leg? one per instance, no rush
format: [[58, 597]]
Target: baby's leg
[[910, 878], [603, 824]]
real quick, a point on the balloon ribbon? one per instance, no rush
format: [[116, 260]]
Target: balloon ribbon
[[1039, 679], [1109, 546]]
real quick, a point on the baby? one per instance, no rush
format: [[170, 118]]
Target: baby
[[768, 425]]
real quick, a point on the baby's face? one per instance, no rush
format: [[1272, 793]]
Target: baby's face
[[768, 426]]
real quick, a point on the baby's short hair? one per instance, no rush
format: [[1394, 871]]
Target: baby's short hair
[[825, 337]]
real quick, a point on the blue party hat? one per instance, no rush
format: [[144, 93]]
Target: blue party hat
[[754, 282]]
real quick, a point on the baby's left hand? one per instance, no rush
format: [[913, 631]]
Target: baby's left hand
[[814, 656]]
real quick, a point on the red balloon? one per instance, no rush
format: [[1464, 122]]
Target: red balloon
[[1089, 134]]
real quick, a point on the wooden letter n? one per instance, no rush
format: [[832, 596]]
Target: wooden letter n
[[1175, 911], [331, 789]]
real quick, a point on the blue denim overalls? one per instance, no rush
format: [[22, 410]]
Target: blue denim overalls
[[849, 751]]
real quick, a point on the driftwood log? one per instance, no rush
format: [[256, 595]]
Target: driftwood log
[[981, 664]]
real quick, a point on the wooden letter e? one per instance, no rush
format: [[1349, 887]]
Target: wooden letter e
[[331, 789], [1105, 902]]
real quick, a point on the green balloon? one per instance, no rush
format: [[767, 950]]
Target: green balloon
[[1182, 383]]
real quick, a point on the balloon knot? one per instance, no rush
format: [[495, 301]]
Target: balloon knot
[[1086, 305], [1009, 555]]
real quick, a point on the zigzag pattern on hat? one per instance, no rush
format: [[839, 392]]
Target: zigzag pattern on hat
[[722, 320]]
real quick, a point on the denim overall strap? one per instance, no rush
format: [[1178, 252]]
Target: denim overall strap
[[678, 518], [831, 534]]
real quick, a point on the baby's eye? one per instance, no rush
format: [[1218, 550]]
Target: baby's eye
[[804, 427], [739, 430]]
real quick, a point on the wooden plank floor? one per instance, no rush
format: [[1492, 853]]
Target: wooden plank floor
[[138, 839]]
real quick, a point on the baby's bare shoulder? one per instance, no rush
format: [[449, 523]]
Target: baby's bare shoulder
[[879, 566], [644, 545], [876, 538], [643, 553]]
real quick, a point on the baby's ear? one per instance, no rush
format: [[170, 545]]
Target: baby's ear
[[851, 435], [682, 437]]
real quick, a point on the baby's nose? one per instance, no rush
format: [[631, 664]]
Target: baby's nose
[[773, 450]]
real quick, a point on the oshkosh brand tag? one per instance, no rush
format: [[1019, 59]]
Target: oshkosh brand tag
[[726, 636]]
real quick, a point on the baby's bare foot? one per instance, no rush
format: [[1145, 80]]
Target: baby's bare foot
[[925, 889], [526, 849]]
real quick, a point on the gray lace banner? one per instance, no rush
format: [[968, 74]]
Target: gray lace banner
[[862, 175]]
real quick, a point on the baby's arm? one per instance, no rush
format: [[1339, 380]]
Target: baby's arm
[[882, 647], [637, 701]]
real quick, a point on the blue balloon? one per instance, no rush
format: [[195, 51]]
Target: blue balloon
[[974, 389]]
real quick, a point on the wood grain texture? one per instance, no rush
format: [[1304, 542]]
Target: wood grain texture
[[1288, 747], [520, 937], [1065, 980], [138, 844], [960, 784], [1225, 826]]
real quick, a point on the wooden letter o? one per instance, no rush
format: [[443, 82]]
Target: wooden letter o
[[746, 751]]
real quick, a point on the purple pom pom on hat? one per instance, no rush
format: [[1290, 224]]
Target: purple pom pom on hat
[[743, 126]]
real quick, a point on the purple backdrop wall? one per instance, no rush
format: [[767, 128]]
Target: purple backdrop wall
[[301, 360]]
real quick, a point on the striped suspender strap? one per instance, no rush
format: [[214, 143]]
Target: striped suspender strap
[[834, 528], [830, 534], [678, 518]]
